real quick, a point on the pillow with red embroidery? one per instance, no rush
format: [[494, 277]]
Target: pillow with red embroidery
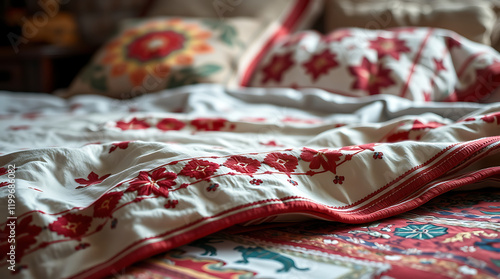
[[166, 52], [423, 64]]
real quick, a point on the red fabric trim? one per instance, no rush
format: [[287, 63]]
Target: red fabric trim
[[289, 205], [417, 58], [288, 25]]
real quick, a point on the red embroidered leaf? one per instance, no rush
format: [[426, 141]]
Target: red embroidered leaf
[[104, 206], [92, 179], [242, 164], [170, 124], [199, 169], [121, 145], [282, 162], [134, 124], [71, 225], [490, 118], [323, 158]]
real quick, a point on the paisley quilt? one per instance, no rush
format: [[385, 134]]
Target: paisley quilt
[[455, 235], [91, 185]]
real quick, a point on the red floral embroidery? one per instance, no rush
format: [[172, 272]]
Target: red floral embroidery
[[256, 182], [105, 205], [320, 64], [242, 164], [93, 179], [338, 35], [199, 169], [165, 42], [368, 146], [490, 118], [25, 237], [275, 69], [371, 77], [282, 162], [134, 124], [209, 124], [338, 179], [169, 124], [159, 182], [439, 65], [391, 47], [121, 145], [212, 187], [171, 204], [378, 155], [71, 225], [323, 158]]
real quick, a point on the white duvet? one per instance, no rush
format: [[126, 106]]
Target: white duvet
[[90, 185]]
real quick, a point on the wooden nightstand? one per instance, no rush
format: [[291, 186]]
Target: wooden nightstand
[[41, 68]]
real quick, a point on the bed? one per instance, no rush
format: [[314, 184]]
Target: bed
[[240, 147]]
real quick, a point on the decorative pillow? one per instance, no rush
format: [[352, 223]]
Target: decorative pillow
[[473, 19], [423, 64], [159, 53], [165, 52]]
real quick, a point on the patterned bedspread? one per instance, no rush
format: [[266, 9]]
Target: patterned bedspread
[[456, 235], [92, 185]]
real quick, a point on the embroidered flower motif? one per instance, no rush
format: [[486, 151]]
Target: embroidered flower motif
[[242, 164], [212, 187], [158, 183], [378, 155], [391, 47], [209, 124], [105, 205], [121, 145], [425, 231], [320, 64], [26, 234], [155, 47], [439, 65], [199, 169], [370, 77], [256, 182], [338, 179], [169, 124], [367, 146], [134, 124], [323, 158], [275, 69], [171, 204], [92, 179], [282, 162], [71, 225], [338, 35]]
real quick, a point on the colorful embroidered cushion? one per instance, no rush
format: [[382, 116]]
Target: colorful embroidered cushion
[[423, 64], [161, 53]]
